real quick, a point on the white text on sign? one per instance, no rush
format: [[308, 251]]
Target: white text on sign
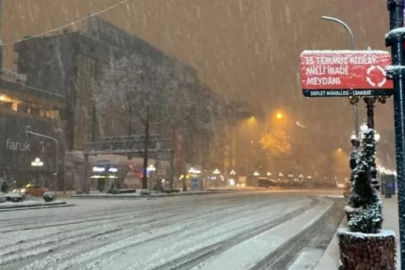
[[328, 70]]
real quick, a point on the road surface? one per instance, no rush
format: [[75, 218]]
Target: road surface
[[243, 230]]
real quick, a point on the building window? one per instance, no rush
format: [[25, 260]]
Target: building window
[[26, 107], [8, 103]]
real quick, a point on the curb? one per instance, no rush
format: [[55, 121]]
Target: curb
[[147, 197], [11, 209], [19, 205]]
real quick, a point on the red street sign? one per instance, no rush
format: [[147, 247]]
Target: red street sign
[[345, 73]]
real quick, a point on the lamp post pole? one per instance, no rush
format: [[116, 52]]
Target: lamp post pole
[[395, 40], [352, 47]]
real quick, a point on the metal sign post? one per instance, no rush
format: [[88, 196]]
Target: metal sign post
[[395, 40]]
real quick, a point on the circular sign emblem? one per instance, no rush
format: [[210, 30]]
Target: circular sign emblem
[[378, 80]]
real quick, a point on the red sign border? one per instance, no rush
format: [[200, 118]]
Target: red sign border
[[352, 92]]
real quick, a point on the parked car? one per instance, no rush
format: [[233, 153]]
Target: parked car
[[31, 190]]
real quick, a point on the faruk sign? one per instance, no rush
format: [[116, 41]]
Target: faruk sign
[[18, 146], [345, 73]]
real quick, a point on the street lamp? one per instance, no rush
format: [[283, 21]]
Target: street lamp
[[279, 115], [353, 101], [232, 172], [363, 127], [37, 163], [377, 137], [256, 173], [216, 171], [29, 132], [194, 171], [268, 173]]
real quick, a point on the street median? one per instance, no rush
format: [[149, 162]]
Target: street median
[[137, 195], [12, 206]]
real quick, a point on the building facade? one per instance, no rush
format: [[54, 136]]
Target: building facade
[[22, 108], [71, 64]]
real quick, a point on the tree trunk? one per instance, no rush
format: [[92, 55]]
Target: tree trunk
[[145, 156]]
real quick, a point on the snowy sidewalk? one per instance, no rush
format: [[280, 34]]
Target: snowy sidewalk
[[330, 258]]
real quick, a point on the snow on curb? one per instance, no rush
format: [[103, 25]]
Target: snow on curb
[[138, 196], [28, 204]]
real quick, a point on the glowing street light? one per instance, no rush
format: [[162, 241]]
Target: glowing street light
[[151, 168], [194, 171], [268, 173], [363, 127], [353, 137], [256, 173], [279, 115], [377, 137], [216, 171], [37, 162], [280, 174], [232, 172]]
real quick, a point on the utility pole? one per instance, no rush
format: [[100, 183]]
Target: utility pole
[[395, 39]]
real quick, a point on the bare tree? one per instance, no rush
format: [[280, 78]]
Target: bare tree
[[141, 89]]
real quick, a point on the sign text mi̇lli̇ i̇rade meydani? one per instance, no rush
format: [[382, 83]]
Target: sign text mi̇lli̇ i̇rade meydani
[[345, 73]]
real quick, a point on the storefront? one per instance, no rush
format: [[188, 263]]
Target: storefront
[[28, 159]]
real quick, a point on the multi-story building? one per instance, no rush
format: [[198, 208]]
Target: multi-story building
[[71, 64]]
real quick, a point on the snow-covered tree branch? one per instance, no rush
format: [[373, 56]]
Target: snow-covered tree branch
[[148, 94]]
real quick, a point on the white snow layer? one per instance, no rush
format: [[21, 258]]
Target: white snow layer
[[395, 32], [382, 233], [249, 253], [306, 52], [105, 234], [307, 259]]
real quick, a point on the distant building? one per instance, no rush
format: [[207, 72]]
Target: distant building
[[69, 64]]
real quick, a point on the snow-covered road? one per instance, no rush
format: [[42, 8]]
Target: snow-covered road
[[248, 230]]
